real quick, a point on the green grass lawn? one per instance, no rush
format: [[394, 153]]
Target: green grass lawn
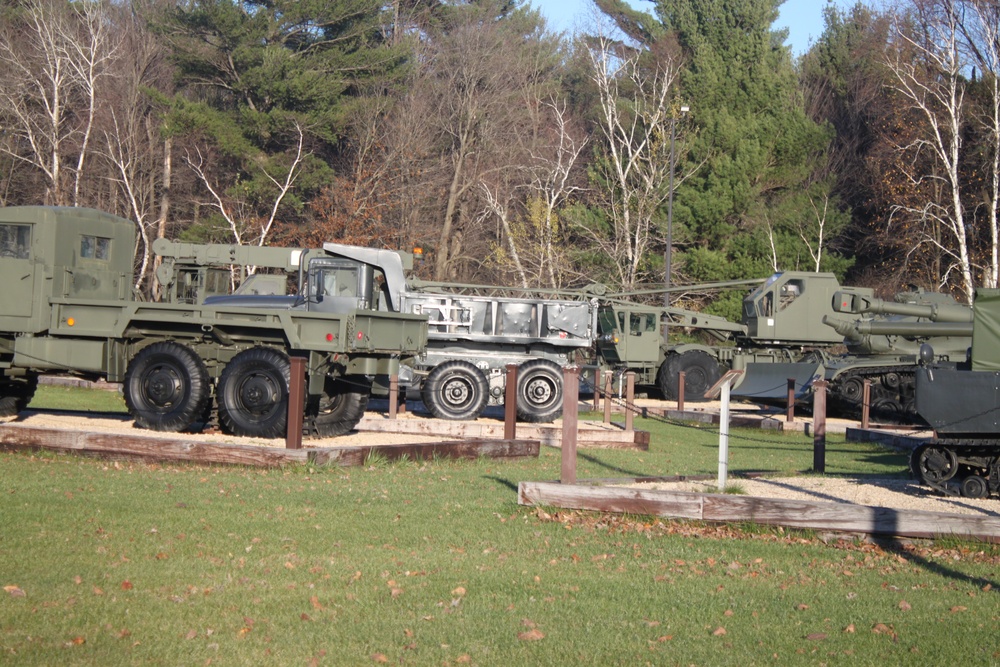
[[434, 563]]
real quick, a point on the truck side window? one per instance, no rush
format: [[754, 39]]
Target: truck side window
[[15, 241], [95, 247], [790, 291]]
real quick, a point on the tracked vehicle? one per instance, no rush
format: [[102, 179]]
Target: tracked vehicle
[[68, 307], [961, 401], [883, 348]]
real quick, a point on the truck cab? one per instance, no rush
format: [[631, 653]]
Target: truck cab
[[89, 258], [788, 309]]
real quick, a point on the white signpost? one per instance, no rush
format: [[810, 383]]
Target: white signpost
[[723, 387]]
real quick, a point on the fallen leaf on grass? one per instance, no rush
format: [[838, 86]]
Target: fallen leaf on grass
[[719, 631], [314, 601], [531, 635], [379, 657], [849, 629], [15, 591], [904, 605], [126, 585], [958, 608], [816, 636], [458, 591], [191, 634]]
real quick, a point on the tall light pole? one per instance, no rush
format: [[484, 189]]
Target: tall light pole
[[670, 214]]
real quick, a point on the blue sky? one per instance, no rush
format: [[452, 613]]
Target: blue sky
[[803, 18]]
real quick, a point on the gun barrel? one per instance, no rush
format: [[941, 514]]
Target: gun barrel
[[934, 307], [913, 329]]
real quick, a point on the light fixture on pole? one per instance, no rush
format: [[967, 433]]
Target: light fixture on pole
[[670, 213]]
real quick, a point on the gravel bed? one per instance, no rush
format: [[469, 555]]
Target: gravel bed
[[124, 425], [869, 491]]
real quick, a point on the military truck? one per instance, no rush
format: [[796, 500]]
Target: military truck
[[473, 331], [782, 326], [69, 307]]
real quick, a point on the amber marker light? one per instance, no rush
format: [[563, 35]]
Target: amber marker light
[[70, 321]]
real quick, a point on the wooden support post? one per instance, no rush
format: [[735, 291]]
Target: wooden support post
[[571, 394], [597, 389], [510, 403], [790, 414], [819, 426], [629, 401], [681, 378], [866, 404], [393, 395], [296, 402], [607, 396]]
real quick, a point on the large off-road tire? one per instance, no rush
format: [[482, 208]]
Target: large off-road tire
[[16, 394], [700, 369], [166, 387], [253, 394], [341, 406], [539, 391], [455, 390]]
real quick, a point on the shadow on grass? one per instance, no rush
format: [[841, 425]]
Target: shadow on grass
[[896, 547], [503, 482]]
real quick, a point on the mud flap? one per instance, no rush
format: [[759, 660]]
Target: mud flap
[[768, 383]]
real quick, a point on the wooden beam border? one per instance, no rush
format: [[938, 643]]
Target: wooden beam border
[[726, 508], [116, 445]]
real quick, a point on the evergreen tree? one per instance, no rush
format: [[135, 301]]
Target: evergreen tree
[[268, 86], [756, 194]]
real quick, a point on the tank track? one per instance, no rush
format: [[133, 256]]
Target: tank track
[[892, 393], [959, 467]]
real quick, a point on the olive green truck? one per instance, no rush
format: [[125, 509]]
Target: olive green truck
[[67, 305]]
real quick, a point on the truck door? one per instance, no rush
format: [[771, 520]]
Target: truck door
[[17, 274], [642, 337]]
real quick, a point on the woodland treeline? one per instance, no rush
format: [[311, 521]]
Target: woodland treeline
[[514, 155]]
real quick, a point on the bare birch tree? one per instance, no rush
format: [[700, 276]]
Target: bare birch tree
[[981, 28], [927, 68], [247, 224], [635, 119], [53, 64]]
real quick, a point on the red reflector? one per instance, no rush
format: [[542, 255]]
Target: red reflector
[[329, 338], [361, 334]]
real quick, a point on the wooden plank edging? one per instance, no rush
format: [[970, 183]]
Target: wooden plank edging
[[725, 508], [165, 448]]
